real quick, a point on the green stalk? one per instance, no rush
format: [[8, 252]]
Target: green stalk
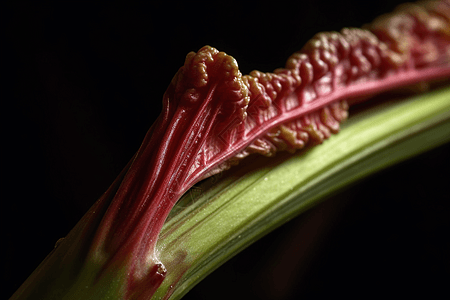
[[223, 215]]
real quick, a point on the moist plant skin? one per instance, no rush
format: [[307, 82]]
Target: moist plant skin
[[213, 117]]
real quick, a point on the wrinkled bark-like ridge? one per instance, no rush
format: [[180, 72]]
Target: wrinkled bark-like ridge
[[213, 117], [337, 66]]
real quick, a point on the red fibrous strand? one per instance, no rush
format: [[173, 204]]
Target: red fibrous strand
[[213, 116]]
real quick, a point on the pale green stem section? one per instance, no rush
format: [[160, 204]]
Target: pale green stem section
[[227, 213]]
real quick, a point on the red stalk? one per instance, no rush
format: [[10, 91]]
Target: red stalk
[[213, 116]]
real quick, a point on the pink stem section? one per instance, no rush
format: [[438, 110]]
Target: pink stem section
[[371, 88], [212, 115]]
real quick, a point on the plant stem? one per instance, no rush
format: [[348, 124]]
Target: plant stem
[[248, 202]]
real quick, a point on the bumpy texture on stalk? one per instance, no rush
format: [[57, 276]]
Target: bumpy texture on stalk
[[213, 117]]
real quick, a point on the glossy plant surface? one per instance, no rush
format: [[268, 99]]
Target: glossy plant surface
[[213, 117]]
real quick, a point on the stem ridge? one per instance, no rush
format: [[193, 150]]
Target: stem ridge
[[213, 117]]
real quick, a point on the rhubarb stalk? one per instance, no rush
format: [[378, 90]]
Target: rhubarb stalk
[[213, 117]]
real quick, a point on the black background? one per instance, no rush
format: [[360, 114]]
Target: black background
[[83, 84]]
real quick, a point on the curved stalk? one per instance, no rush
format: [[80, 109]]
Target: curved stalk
[[244, 204]]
